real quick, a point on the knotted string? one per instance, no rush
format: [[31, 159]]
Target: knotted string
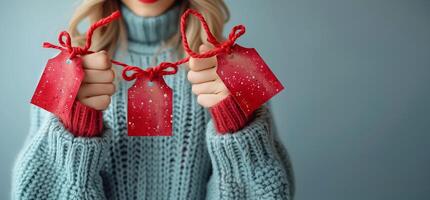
[[224, 47], [65, 41], [169, 68], [164, 68]]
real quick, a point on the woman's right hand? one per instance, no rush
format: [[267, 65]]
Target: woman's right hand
[[97, 87]]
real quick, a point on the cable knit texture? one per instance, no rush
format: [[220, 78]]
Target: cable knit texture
[[228, 116], [194, 163]]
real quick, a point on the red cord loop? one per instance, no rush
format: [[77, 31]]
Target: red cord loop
[[136, 73], [65, 40], [225, 46], [235, 33]]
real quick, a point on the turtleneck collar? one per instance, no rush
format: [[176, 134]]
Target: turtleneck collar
[[151, 30]]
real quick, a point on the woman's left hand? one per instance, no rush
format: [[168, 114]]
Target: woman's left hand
[[206, 83]]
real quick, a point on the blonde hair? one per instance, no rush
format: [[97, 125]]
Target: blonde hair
[[113, 35]]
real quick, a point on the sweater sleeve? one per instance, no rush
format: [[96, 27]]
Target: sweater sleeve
[[54, 164], [250, 163]]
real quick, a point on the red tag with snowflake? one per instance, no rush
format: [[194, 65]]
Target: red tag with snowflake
[[247, 77], [59, 84], [149, 109]]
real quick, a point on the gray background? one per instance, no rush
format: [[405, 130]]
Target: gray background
[[355, 112]]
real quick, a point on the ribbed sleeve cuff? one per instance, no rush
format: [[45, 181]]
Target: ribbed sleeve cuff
[[84, 121], [228, 116]]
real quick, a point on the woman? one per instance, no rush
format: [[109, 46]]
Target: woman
[[220, 154]]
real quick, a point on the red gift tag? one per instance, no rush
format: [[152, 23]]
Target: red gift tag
[[247, 77], [59, 84], [149, 109]]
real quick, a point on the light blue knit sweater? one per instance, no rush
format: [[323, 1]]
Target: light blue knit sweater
[[195, 163]]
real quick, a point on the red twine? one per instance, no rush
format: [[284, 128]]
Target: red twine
[[224, 47], [75, 51], [168, 68], [164, 68]]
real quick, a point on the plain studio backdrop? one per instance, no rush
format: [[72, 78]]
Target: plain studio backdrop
[[355, 113]]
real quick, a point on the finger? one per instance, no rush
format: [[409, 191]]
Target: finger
[[202, 76], [205, 47], [99, 76], [213, 87], [97, 102], [209, 100], [96, 89], [198, 64], [99, 61]]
